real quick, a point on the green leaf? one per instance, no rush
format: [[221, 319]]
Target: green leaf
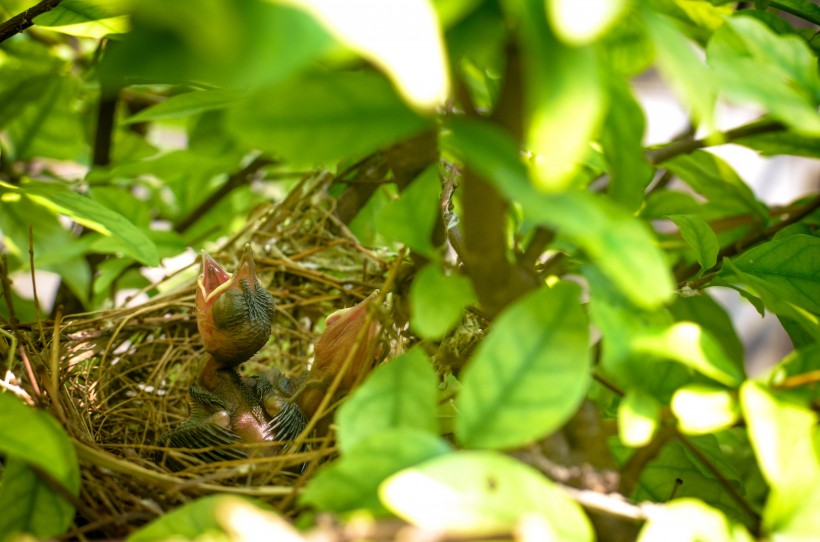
[[714, 179], [772, 144], [529, 374], [46, 122], [438, 301], [383, 37], [351, 482], [564, 97], [761, 293], [187, 104], [43, 444], [681, 68], [789, 267], [802, 8], [691, 521], [83, 210], [399, 394], [619, 322], [710, 315], [323, 118], [781, 434], [580, 26], [410, 219], [29, 504], [618, 243], [699, 236], [702, 409], [87, 18], [638, 417], [622, 140], [215, 517], [779, 73], [256, 43], [481, 492], [691, 345], [677, 472]]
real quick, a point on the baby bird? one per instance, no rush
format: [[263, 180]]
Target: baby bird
[[234, 315]]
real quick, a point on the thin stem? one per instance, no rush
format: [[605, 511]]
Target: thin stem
[[236, 180], [23, 20], [662, 154]]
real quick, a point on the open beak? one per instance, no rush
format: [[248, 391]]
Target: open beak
[[214, 279]]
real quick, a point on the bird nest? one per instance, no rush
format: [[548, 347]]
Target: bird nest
[[118, 379]]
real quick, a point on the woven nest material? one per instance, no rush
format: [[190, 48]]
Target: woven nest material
[[123, 374]]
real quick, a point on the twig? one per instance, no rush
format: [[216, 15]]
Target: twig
[[804, 379], [34, 283], [662, 154], [236, 180], [23, 20], [104, 129]]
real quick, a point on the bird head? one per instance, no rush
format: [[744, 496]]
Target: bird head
[[233, 311], [346, 330]]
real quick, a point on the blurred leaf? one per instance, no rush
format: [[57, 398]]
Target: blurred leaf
[[187, 104], [802, 8], [680, 66], [29, 505], [410, 219], [480, 492], [438, 301], [710, 315], [691, 345], [700, 237], [779, 73], [776, 143], [58, 199], [238, 44], [663, 203], [714, 179], [622, 139], [404, 39], [565, 100], [619, 244], [46, 121], [323, 118], [789, 267], [529, 374], [399, 394], [214, 517], [638, 417], [781, 433], [619, 322], [351, 482], [702, 409], [579, 26], [691, 521], [87, 18]]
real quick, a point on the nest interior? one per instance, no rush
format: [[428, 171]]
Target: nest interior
[[123, 374]]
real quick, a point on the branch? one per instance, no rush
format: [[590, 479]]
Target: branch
[[783, 6], [662, 154], [236, 180], [745, 243], [23, 20]]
